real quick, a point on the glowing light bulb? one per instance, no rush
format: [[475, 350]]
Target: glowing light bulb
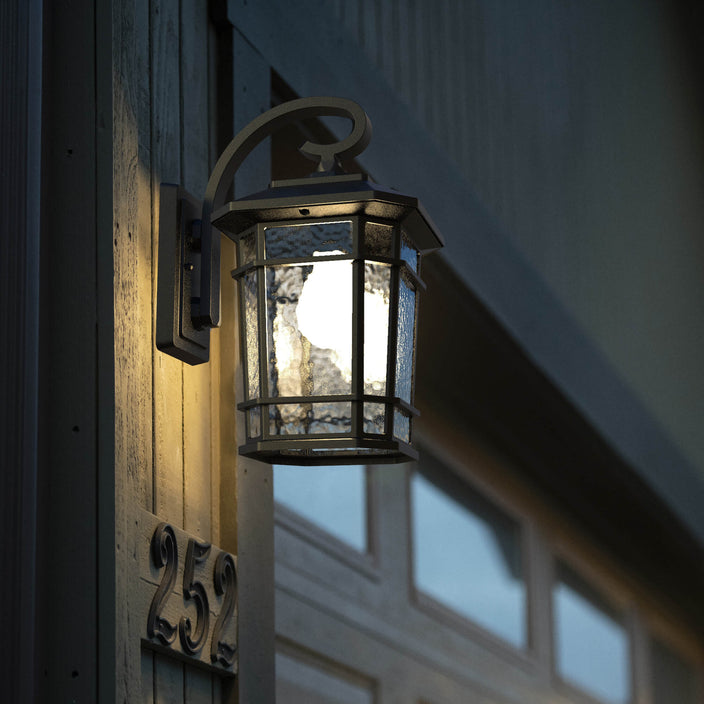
[[324, 310], [324, 314]]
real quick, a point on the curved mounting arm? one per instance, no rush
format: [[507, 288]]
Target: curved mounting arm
[[207, 313]]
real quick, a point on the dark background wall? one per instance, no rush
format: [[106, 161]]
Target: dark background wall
[[578, 126]]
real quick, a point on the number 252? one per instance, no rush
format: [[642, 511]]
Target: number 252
[[164, 552]]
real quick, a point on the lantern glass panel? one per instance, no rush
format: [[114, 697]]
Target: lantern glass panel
[[249, 294], [310, 418], [312, 239], [405, 341], [409, 253], [402, 426], [309, 328], [378, 239], [374, 418], [248, 249], [255, 422], [377, 284]]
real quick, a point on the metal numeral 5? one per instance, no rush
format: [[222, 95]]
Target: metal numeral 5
[[195, 553]]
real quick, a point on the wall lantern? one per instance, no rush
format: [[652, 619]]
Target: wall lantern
[[328, 270]]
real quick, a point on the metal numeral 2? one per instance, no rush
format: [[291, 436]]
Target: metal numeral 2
[[164, 552], [225, 582]]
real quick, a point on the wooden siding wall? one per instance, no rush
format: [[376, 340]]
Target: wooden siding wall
[[168, 414], [578, 127], [20, 179]]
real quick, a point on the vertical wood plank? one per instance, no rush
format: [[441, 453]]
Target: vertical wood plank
[[433, 86], [369, 29], [215, 430], [20, 182], [420, 77], [146, 691], [404, 50], [228, 350], [454, 80], [448, 78], [465, 48], [196, 379], [72, 406], [198, 687], [168, 681], [220, 132], [218, 695], [133, 339], [390, 38], [352, 14], [168, 377], [253, 480], [132, 257], [166, 167]]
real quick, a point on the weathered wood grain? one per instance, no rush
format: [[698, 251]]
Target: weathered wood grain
[[132, 257], [146, 691], [168, 681], [197, 423], [168, 372], [166, 167], [133, 323]]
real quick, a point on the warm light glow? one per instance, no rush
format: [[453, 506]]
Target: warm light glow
[[324, 315], [376, 330], [323, 309]]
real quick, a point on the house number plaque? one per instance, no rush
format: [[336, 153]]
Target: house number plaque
[[189, 596]]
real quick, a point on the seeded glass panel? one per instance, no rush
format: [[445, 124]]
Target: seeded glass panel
[[255, 422], [333, 498], [248, 249], [405, 346], [409, 253], [468, 556], [377, 281], [251, 307], [308, 240], [310, 418], [309, 329], [402, 426], [591, 644], [300, 682], [374, 416], [674, 680], [378, 239]]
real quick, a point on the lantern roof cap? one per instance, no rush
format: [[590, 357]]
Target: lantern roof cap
[[323, 196]]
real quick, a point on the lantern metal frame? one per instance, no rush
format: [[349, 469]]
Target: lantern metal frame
[[189, 283]]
